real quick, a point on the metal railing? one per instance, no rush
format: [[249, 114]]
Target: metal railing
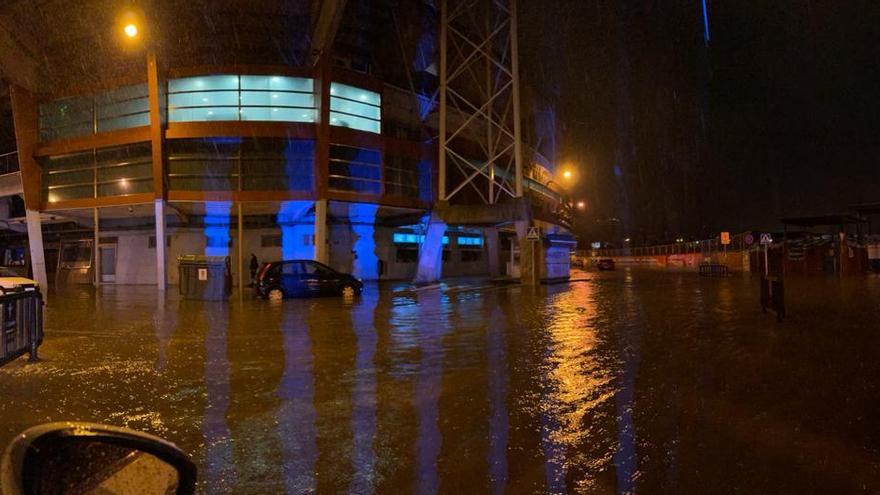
[[9, 163], [21, 325], [706, 247]]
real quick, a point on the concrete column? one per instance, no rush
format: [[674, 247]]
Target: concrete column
[[430, 267], [161, 245], [35, 244], [493, 251], [322, 253], [96, 251], [529, 255]]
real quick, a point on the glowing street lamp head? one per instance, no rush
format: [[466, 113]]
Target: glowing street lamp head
[[130, 30], [567, 174], [581, 205]]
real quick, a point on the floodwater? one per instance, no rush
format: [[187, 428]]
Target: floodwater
[[633, 381]]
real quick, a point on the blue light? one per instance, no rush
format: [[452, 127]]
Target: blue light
[[470, 241], [705, 23], [296, 233], [406, 238], [217, 228], [363, 226]]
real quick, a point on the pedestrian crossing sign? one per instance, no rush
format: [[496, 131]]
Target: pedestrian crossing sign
[[534, 234]]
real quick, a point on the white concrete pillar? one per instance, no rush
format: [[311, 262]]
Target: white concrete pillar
[[96, 250], [493, 251], [322, 253], [430, 267], [35, 244], [161, 245]]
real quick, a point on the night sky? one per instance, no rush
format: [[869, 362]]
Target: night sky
[[776, 116]]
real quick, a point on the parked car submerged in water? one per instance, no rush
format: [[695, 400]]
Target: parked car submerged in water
[[304, 278]]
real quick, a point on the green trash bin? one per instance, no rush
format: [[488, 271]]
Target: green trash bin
[[207, 278]]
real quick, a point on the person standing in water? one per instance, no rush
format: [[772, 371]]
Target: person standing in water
[[254, 266]]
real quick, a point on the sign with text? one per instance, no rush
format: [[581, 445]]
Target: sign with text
[[203, 274], [725, 238]]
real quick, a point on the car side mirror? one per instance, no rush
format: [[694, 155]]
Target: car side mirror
[[89, 458]]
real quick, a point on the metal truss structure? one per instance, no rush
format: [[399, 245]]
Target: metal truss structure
[[480, 99]]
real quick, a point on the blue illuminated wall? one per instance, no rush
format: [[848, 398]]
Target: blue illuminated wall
[[216, 228], [297, 230], [363, 227]]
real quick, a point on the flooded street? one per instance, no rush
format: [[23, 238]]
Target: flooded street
[[632, 381]]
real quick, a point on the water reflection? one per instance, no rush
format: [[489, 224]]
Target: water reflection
[[363, 414], [433, 310], [219, 472], [633, 382], [496, 350], [296, 412]]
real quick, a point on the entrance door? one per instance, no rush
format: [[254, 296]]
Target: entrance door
[[108, 263]]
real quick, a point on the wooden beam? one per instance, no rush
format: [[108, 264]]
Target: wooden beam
[[25, 118], [157, 126]]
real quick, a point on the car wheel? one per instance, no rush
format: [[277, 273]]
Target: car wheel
[[348, 291], [275, 295]]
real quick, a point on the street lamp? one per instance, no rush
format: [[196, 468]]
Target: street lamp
[[567, 174], [581, 205], [130, 23], [130, 30]]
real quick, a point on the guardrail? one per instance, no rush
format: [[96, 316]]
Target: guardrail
[[714, 270], [705, 246], [21, 325], [8, 163]]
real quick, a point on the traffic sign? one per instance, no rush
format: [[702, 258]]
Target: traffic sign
[[766, 239], [534, 234], [749, 239], [725, 238]]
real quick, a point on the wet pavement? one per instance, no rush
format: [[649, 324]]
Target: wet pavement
[[634, 381]]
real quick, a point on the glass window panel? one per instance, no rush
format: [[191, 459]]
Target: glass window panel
[[353, 93], [68, 162], [123, 93], [361, 186], [202, 114], [255, 113], [67, 193], [277, 99], [203, 99], [137, 120], [129, 172], [355, 108], [292, 115], [203, 83], [125, 186], [358, 123], [278, 83], [123, 108], [69, 178]]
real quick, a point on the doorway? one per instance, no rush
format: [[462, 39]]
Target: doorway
[[108, 263]]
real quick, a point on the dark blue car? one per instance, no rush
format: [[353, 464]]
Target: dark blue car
[[304, 278]]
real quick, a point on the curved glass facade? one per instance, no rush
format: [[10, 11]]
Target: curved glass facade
[[241, 164], [120, 108], [355, 108], [240, 97], [96, 173]]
